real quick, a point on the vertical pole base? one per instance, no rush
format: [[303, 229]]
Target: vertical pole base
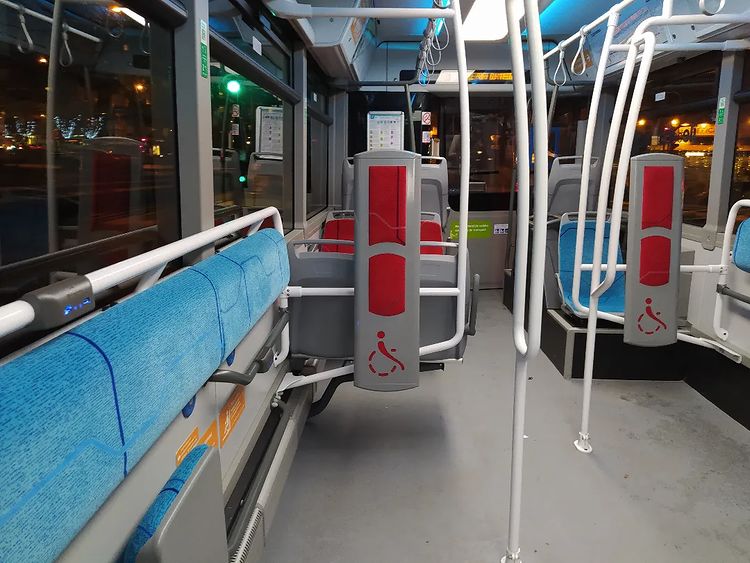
[[509, 556], [583, 444]]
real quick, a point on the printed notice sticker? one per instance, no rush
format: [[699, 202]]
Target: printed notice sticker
[[230, 414], [211, 436], [187, 446]]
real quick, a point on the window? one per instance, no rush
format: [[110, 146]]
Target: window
[[98, 152], [678, 116], [741, 172], [317, 166], [317, 141], [492, 149], [250, 146], [253, 36]]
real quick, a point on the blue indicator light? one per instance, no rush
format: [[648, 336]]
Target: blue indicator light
[[70, 308]]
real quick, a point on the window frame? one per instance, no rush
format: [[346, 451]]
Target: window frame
[[722, 163], [230, 55]]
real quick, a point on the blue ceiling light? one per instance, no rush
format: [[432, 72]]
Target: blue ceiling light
[[564, 17]]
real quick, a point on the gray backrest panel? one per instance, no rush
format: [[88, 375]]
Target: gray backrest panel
[[323, 327], [386, 270], [347, 183], [434, 187], [654, 244], [565, 183]]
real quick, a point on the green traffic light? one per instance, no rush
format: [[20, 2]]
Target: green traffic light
[[233, 86], [243, 179]]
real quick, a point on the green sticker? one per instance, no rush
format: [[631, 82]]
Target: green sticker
[[476, 229], [720, 116], [204, 49]]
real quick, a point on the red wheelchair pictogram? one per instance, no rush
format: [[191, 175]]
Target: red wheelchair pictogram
[[649, 322], [376, 365]]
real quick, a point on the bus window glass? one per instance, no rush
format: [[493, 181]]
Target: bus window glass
[[491, 168], [87, 162], [317, 141], [250, 147], [741, 172], [250, 37], [317, 166], [678, 116]]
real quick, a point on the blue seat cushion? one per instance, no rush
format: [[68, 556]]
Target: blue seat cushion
[[741, 252], [613, 300], [79, 411], [159, 508]]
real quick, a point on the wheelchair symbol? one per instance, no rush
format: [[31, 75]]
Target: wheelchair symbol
[[649, 322], [387, 358]]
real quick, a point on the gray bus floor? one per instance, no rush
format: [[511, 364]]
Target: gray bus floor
[[423, 475]]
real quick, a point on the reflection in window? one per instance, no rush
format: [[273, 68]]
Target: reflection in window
[[249, 146], [678, 116], [741, 174], [492, 142], [97, 147], [317, 166], [690, 135], [250, 37]]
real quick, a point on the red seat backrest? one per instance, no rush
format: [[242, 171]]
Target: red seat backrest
[[343, 229], [430, 231], [338, 229]]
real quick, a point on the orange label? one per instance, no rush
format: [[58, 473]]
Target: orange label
[[211, 436], [230, 413], [187, 446]]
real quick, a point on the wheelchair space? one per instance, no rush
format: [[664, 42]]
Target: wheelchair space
[[422, 475]]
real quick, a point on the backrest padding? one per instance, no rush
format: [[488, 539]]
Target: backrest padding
[[741, 252], [613, 300], [81, 410], [343, 229]]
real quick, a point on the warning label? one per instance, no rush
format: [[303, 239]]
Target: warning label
[[187, 446], [475, 229], [230, 413], [211, 436]]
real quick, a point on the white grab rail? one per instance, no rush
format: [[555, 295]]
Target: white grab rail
[[726, 249], [646, 40], [19, 314], [526, 349]]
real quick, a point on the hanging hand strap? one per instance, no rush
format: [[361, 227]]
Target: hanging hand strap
[[579, 54], [560, 67], [66, 56], [29, 41]]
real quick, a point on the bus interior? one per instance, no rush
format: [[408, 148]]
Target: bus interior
[[374, 281]]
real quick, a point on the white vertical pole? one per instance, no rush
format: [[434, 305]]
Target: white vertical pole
[[582, 443], [52, 72], [526, 349], [523, 165], [649, 43], [588, 149], [541, 178], [465, 128]]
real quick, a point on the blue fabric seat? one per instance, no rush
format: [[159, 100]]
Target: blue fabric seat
[[159, 508], [741, 250], [613, 300], [79, 411]]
